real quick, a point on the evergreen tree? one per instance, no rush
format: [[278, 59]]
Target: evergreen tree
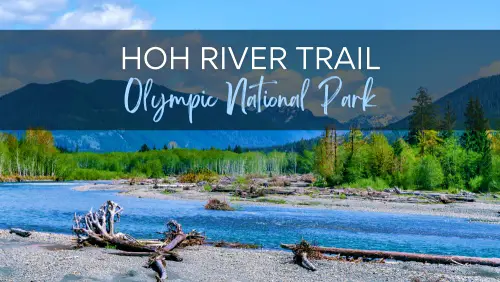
[[476, 139], [301, 147], [144, 148], [237, 149], [423, 115], [448, 122]]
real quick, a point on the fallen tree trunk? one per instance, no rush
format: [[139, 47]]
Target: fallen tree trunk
[[403, 256]]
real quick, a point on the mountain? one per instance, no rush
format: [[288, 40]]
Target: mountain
[[92, 117], [487, 89], [73, 105], [131, 140], [372, 121]]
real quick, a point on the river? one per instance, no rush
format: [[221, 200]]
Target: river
[[49, 207]]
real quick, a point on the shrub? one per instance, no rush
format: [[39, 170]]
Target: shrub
[[207, 188], [216, 204], [375, 183], [429, 174], [475, 183], [319, 182], [201, 175], [404, 165], [241, 180]]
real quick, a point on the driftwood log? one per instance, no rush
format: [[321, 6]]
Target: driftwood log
[[426, 258], [20, 232], [98, 228]]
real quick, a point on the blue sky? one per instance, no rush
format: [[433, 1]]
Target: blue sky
[[255, 14]]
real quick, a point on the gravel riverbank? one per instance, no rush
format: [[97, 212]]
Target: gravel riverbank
[[50, 257], [481, 210]]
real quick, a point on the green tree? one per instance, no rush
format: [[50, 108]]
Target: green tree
[[422, 115], [324, 158], [476, 139], [453, 158], [144, 148], [429, 173], [448, 123], [237, 149], [428, 141], [154, 168], [381, 155], [404, 164]]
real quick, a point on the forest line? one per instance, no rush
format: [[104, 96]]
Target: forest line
[[423, 159]]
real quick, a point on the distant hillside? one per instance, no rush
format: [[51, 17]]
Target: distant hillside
[[297, 146], [372, 121], [486, 89], [131, 140]]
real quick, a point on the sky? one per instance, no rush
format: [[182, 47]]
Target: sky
[[255, 14], [272, 15]]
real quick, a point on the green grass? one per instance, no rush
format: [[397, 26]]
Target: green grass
[[207, 188], [270, 200], [167, 192], [111, 247], [241, 180], [374, 183]]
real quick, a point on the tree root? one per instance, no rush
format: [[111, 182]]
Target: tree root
[[303, 252]]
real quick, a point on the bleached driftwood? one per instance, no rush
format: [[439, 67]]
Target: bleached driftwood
[[427, 258], [98, 228]]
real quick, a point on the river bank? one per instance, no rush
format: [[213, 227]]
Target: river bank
[[482, 208], [50, 257]]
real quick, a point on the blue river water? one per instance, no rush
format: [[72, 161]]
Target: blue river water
[[50, 207]]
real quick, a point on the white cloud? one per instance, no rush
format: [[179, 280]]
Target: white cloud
[[104, 16], [492, 69], [8, 84], [29, 11]]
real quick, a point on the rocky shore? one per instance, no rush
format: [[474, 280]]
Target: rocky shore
[[51, 257]]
